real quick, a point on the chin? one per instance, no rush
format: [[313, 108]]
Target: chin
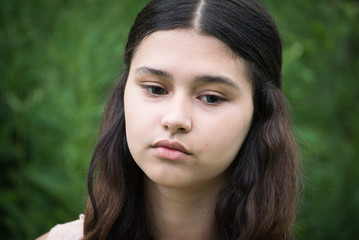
[[168, 180]]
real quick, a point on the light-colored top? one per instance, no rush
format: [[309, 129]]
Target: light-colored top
[[68, 231]]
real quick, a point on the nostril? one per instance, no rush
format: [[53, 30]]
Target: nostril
[[176, 121], [181, 129], [176, 126]]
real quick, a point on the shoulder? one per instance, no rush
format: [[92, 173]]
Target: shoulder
[[67, 231], [43, 237]]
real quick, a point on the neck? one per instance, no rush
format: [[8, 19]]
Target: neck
[[181, 213]]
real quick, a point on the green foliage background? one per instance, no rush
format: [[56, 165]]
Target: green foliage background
[[59, 58]]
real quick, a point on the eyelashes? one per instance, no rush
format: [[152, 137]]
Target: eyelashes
[[212, 99], [209, 99], [155, 90]]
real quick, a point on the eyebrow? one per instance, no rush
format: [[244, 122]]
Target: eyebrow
[[156, 72], [198, 79], [216, 79]]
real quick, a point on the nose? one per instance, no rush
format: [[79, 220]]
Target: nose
[[177, 117]]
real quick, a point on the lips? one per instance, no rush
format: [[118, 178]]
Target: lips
[[171, 145], [170, 150]]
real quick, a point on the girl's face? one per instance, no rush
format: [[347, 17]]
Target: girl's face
[[188, 108]]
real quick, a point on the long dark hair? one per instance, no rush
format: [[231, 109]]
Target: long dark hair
[[258, 202]]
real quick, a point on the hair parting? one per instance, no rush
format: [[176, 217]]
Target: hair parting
[[198, 15]]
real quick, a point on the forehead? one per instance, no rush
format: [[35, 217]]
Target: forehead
[[181, 36], [186, 47]]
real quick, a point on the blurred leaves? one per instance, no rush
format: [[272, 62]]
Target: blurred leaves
[[321, 74], [60, 58], [58, 61]]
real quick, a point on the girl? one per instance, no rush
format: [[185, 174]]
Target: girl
[[195, 141]]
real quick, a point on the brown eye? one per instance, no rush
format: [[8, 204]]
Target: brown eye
[[212, 99], [155, 90]]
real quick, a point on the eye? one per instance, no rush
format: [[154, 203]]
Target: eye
[[154, 90], [212, 99]]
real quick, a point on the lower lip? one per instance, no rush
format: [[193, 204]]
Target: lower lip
[[171, 154]]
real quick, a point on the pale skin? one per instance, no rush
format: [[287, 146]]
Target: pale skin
[[188, 109], [189, 89], [43, 237]]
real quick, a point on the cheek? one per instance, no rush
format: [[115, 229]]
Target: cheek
[[132, 119], [140, 120], [226, 139], [134, 110]]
